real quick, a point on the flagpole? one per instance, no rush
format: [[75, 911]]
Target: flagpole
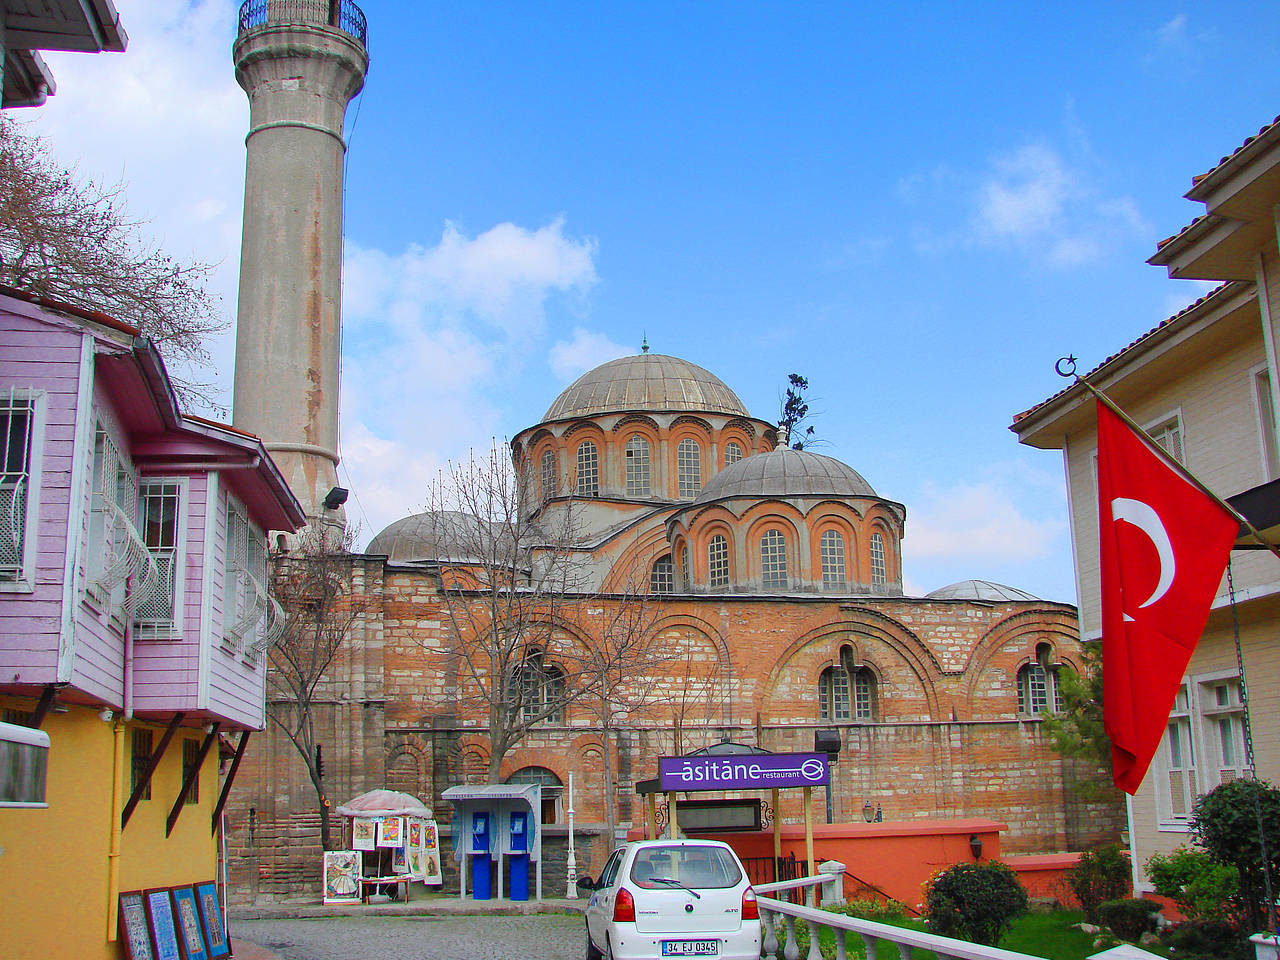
[[1168, 458]]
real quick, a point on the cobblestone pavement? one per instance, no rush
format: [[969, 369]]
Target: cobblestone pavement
[[543, 937]]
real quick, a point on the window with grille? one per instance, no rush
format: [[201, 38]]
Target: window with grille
[[1180, 762], [732, 452], [1034, 689], [831, 551], [141, 759], [18, 421], [1169, 436], [686, 570], [662, 577], [190, 757], [1224, 729], [245, 577], [538, 689], [114, 510], [834, 690], [878, 572], [549, 484], [773, 560], [638, 470], [688, 468], [161, 506], [718, 561], [588, 470]]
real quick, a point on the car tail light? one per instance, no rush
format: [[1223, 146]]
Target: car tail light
[[624, 906], [750, 909]]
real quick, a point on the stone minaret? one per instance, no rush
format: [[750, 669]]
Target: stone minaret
[[300, 62]]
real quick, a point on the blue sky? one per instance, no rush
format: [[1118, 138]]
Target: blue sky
[[919, 207]]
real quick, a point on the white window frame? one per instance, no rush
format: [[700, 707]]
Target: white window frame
[[638, 460], [729, 459], [550, 486], [1263, 406], [879, 569], [718, 561], [664, 576], [833, 557], [688, 468], [775, 572], [153, 628], [122, 494], [1168, 820], [587, 478], [35, 401]]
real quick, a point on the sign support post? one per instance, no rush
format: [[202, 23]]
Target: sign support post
[[808, 838]]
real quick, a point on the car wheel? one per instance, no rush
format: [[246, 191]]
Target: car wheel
[[592, 952]]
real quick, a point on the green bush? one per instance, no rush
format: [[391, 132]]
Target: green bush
[[878, 910], [1207, 940], [1128, 919], [1202, 888], [1225, 823], [1101, 875], [975, 901]]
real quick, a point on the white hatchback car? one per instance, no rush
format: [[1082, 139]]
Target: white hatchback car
[[672, 898]]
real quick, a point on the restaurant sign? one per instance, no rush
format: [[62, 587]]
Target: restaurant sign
[[742, 771]]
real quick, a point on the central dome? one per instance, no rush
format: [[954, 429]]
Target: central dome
[[650, 381], [786, 473]]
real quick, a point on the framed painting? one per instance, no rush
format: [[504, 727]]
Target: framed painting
[[187, 920], [431, 854], [210, 911], [133, 935], [160, 924], [415, 861], [342, 876], [415, 832], [364, 833], [391, 832], [399, 860]]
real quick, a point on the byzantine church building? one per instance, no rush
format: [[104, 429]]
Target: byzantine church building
[[778, 575]]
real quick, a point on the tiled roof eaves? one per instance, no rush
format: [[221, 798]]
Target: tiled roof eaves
[[1204, 183], [1189, 227], [1162, 325], [83, 313]]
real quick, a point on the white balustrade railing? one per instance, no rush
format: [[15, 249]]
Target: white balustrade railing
[[778, 920]]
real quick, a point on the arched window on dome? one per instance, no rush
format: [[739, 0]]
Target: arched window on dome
[[686, 570], [638, 470], [773, 560], [537, 689], [732, 452], [831, 552], [718, 561], [588, 484], [834, 694], [549, 484], [688, 468], [878, 572], [662, 576]]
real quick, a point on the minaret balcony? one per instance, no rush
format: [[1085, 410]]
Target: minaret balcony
[[339, 14]]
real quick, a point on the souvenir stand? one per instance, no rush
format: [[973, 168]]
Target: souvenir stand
[[391, 840], [493, 825]]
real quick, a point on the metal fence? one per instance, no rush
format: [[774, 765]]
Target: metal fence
[[343, 14]]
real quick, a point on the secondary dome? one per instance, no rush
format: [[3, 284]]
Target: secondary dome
[[786, 473], [443, 535], [979, 590], [650, 381]]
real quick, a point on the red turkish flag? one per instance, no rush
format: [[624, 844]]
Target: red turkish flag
[[1164, 546]]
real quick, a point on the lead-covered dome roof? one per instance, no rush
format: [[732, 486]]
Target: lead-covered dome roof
[[980, 590], [786, 473], [649, 381], [438, 535]]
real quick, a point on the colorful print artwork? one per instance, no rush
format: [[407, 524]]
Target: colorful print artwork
[[190, 937], [211, 920], [399, 860], [164, 935], [391, 832], [364, 833], [342, 876], [133, 927], [415, 832]]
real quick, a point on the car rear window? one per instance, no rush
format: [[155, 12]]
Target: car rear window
[[696, 867]]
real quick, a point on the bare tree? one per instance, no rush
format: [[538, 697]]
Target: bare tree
[[518, 599], [313, 584], [72, 240]]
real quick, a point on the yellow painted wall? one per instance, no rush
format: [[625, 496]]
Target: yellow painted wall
[[53, 862]]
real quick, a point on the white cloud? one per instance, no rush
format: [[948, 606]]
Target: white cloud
[[1186, 293], [430, 334], [570, 358], [167, 118], [1173, 31], [1033, 200]]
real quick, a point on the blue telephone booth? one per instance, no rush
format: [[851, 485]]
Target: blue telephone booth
[[481, 873], [519, 855]]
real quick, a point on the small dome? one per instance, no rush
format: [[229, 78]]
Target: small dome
[[445, 535], [980, 590], [650, 381], [786, 473]]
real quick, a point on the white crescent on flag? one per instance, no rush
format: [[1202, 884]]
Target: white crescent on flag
[[1142, 516]]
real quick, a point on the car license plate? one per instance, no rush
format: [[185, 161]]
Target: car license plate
[[690, 948]]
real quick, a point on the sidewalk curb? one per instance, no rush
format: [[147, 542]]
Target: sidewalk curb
[[431, 908]]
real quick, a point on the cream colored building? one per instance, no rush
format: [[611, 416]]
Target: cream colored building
[[1204, 384]]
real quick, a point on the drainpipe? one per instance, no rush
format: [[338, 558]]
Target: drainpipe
[[128, 651], [117, 809]]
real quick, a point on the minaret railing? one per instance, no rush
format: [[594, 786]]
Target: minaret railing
[[342, 14]]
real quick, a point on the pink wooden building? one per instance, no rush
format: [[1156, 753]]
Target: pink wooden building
[[134, 612]]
